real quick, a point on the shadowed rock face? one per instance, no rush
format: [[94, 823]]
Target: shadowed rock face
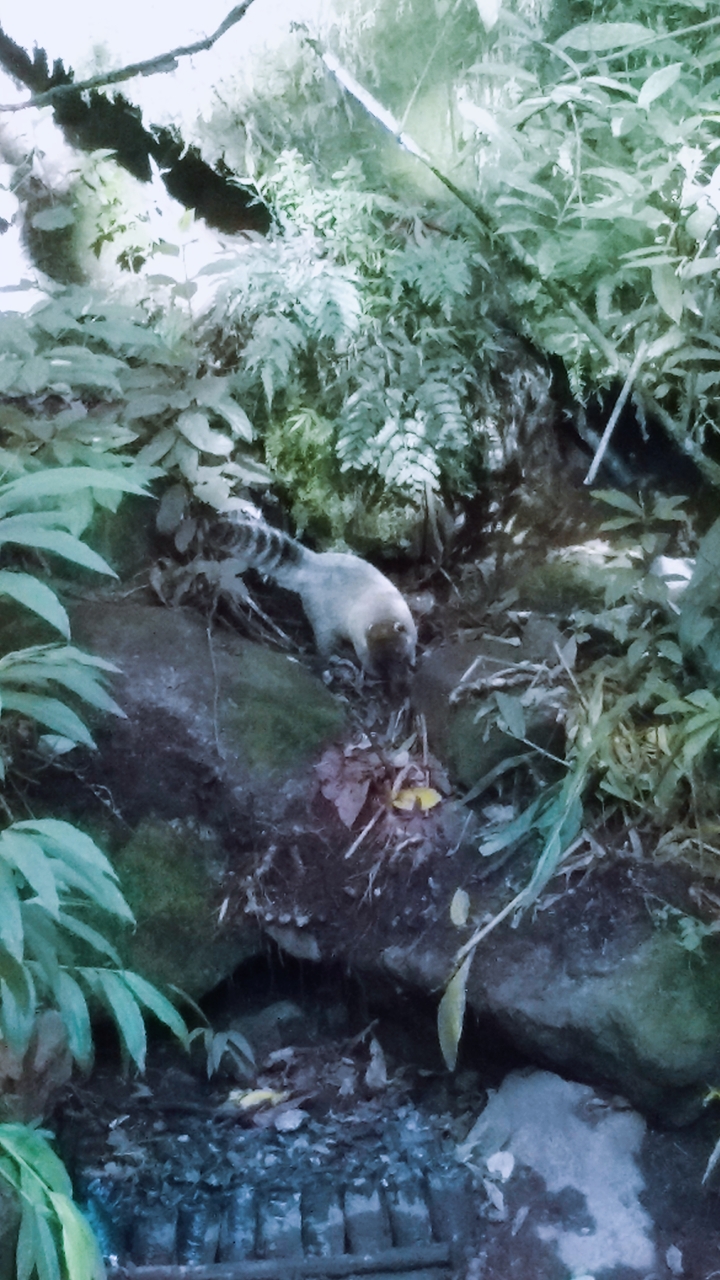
[[215, 750]]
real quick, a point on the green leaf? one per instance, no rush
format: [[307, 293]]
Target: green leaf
[[50, 712], [27, 856], [451, 1013], [12, 933], [18, 1005], [154, 1000], [26, 532], [123, 1007], [69, 840], [60, 667], [35, 595], [29, 1147], [196, 428], [668, 290], [80, 1252], [74, 1012], [614, 498], [64, 480], [598, 37], [44, 1248], [658, 83], [668, 649], [93, 938], [25, 1248]]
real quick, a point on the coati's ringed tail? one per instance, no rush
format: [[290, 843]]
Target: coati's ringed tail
[[344, 597]]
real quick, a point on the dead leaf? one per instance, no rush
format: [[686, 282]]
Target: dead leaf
[[423, 798], [451, 1013], [460, 908], [252, 1099]]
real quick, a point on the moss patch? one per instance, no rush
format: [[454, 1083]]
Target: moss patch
[[277, 711]]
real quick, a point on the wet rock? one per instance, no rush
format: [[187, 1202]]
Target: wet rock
[[464, 743], [217, 746]]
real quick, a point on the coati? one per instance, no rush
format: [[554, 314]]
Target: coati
[[344, 597]]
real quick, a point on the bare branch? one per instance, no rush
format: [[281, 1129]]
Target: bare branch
[[151, 66]]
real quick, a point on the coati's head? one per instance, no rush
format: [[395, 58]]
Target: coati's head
[[390, 645]]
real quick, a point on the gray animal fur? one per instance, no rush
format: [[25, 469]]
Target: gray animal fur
[[343, 596]]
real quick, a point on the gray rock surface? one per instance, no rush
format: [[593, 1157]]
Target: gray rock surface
[[575, 1143]]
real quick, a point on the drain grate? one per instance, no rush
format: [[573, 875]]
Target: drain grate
[[415, 1223]]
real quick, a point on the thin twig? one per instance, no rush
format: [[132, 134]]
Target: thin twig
[[365, 831], [619, 406], [150, 66]]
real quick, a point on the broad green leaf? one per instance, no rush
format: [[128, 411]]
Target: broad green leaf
[[668, 290], [99, 888], [25, 1248], [29, 1147], [59, 653], [89, 935], [46, 1258], [599, 37], [668, 649], [73, 1009], [236, 418], [50, 712], [35, 595], [659, 82], [80, 1251], [11, 926], [25, 531], [614, 498], [489, 11], [196, 428], [68, 840], [158, 1004], [41, 942], [124, 1009], [61, 480], [24, 853], [81, 681], [237, 1040], [18, 1005], [451, 1013]]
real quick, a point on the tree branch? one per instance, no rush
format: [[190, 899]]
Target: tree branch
[[151, 66]]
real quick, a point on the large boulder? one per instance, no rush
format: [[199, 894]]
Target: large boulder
[[216, 748]]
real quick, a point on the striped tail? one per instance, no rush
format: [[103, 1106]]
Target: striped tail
[[266, 549]]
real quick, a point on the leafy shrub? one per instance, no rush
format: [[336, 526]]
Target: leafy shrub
[[54, 1238]]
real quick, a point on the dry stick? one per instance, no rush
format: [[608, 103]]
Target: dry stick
[[619, 406], [365, 831], [151, 66], [407, 1259]]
